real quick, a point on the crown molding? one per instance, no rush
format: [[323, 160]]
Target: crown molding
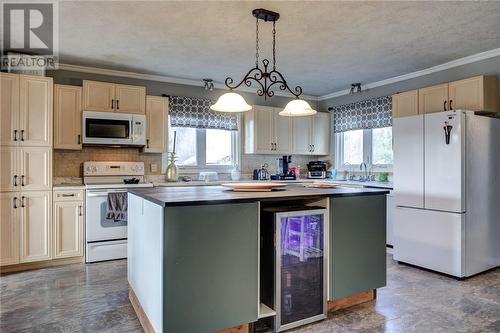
[[454, 63], [167, 79]]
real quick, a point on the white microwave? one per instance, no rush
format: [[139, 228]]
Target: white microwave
[[113, 129]]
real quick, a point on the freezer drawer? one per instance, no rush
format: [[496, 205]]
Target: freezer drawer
[[430, 239]]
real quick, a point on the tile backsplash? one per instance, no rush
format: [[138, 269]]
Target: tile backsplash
[[69, 163]]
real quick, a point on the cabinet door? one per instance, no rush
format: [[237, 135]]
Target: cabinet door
[[478, 93], [67, 117], [156, 124], [68, 229], [36, 217], [98, 96], [36, 110], [321, 133], [282, 128], [9, 109], [130, 99], [433, 99], [9, 229], [405, 104], [263, 132], [9, 169], [36, 168], [301, 135]]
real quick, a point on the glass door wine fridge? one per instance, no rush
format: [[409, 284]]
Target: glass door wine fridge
[[300, 265]]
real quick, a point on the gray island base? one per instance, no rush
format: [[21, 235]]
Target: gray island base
[[194, 261]]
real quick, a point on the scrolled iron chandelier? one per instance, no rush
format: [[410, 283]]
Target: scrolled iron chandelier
[[264, 78]]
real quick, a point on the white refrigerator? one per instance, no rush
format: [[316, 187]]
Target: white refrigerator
[[447, 192]]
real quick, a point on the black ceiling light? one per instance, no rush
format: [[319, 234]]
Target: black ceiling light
[[265, 78]]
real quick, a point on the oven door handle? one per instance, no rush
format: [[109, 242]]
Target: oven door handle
[[102, 193]]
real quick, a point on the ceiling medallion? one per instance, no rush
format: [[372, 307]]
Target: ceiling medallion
[[265, 78]]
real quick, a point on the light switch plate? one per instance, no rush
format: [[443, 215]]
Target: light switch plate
[[154, 167]]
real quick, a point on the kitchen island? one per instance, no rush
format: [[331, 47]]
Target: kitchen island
[[194, 261]]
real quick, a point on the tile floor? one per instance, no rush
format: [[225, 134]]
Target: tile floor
[[94, 298]]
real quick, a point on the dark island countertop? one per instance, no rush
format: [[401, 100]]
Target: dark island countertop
[[207, 195]]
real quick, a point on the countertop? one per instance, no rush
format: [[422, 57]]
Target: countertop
[[375, 184], [203, 195]]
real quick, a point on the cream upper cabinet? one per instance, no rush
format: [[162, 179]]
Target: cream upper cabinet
[[405, 104], [282, 133], [301, 132], [9, 109], [110, 97], [433, 99], [67, 117], [35, 169], [9, 229], [68, 229], [36, 110], [98, 96], [259, 133], [9, 169], [36, 222], [320, 134], [156, 124], [478, 93], [130, 99]]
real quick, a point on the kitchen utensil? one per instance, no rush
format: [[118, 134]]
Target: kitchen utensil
[[254, 187]]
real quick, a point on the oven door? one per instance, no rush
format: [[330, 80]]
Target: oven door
[[107, 128], [98, 227]]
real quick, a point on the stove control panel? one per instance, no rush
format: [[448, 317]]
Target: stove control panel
[[113, 168]]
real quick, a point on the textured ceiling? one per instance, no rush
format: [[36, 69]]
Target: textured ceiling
[[322, 46]]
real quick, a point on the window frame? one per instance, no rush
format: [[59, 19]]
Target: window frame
[[367, 153], [201, 153]]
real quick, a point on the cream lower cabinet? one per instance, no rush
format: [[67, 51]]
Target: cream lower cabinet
[[68, 220], [35, 225], [9, 228], [156, 123], [67, 117], [25, 168]]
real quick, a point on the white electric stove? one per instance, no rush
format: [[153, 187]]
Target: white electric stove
[[107, 239]]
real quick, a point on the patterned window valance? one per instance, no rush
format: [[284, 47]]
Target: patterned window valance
[[372, 113], [195, 112]]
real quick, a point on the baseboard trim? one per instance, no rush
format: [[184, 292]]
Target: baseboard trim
[[141, 315], [349, 301], [39, 264]]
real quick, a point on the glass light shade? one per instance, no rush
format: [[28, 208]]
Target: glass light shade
[[231, 102], [297, 108]]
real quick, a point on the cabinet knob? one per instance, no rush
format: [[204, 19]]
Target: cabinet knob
[[112, 103], [118, 104], [444, 106], [14, 180], [22, 180], [79, 139], [22, 135], [147, 143], [80, 210], [15, 135], [14, 202], [451, 107], [22, 201]]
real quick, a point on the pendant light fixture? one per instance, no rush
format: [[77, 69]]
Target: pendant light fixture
[[264, 78]]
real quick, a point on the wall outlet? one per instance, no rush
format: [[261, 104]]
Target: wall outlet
[[154, 167]]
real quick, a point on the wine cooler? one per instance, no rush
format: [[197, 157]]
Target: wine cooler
[[294, 265]]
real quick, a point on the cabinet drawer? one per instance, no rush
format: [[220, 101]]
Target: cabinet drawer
[[69, 195]]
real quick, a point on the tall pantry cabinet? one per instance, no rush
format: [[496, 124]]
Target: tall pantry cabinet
[[25, 168]]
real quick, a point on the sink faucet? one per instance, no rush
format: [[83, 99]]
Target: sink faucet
[[365, 177]]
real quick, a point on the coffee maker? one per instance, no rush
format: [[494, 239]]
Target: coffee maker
[[282, 169]]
